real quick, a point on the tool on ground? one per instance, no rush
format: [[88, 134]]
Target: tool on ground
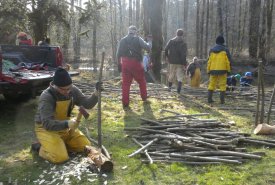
[[82, 112]]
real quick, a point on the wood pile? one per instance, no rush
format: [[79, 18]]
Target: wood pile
[[192, 140]]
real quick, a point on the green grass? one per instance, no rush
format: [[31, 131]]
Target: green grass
[[16, 135]]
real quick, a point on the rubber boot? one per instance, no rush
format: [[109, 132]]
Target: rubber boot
[[179, 87], [170, 86], [210, 94], [222, 95]]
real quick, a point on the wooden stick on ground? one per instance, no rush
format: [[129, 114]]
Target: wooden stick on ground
[[143, 148]]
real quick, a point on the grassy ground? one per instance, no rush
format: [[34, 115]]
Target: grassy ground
[[17, 163]]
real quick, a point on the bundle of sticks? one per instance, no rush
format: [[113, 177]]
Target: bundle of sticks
[[192, 140]]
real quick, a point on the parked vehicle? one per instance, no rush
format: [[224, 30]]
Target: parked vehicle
[[26, 70]]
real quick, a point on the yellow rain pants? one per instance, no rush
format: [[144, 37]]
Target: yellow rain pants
[[196, 78], [217, 80], [54, 144]]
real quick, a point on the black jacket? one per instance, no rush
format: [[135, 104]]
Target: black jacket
[[176, 51]]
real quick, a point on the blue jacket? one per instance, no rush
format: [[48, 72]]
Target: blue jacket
[[245, 81]]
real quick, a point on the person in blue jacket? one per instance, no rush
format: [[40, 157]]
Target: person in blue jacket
[[246, 80], [231, 82]]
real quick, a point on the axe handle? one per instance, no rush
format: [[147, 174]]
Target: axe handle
[[78, 119]]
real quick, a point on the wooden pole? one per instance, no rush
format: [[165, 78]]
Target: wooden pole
[[270, 105], [99, 132], [263, 94], [258, 94]]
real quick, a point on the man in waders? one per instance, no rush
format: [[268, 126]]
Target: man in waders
[[56, 131]]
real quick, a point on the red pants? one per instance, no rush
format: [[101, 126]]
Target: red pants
[[132, 69]]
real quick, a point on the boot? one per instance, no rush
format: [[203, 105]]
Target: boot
[[179, 87], [210, 94], [170, 86], [222, 95]]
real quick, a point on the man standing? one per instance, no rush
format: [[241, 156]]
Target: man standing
[[56, 131], [218, 66], [175, 54], [129, 58]]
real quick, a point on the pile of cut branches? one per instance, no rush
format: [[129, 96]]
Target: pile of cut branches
[[188, 139]]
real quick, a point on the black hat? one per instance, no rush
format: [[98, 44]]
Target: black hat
[[220, 40], [61, 78]]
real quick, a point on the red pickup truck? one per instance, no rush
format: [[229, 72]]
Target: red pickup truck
[[26, 70]]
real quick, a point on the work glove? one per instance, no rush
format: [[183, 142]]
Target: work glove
[[99, 86], [73, 124]]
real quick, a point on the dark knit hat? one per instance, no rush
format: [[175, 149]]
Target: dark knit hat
[[220, 40], [61, 78]]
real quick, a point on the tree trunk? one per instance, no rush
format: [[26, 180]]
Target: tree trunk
[[239, 27], [202, 29], [165, 19], [185, 16], [220, 16], [120, 19], [94, 44], [269, 26], [198, 28], [206, 30], [156, 30], [244, 25], [138, 13], [146, 18], [233, 30], [113, 29], [262, 39], [254, 21], [130, 12]]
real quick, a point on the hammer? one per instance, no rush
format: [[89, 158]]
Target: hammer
[[82, 112]]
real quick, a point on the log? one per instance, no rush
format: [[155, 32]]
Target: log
[[264, 129], [100, 160], [181, 161], [151, 121], [223, 152], [257, 142], [197, 158]]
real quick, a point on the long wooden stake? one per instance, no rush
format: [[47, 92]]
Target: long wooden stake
[[258, 94], [99, 132], [270, 105]]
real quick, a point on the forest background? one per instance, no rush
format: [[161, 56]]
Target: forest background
[[84, 27]]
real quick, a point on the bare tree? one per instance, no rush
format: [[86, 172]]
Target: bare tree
[[198, 28], [155, 9], [165, 11], [262, 37], [244, 25], [138, 13], [202, 29], [130, 12], [254, 20], [206, 30], [269, 26], [220, 16]]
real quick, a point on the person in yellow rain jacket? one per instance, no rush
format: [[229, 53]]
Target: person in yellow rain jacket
[[56, 131], [194, 71], [218, 66]]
